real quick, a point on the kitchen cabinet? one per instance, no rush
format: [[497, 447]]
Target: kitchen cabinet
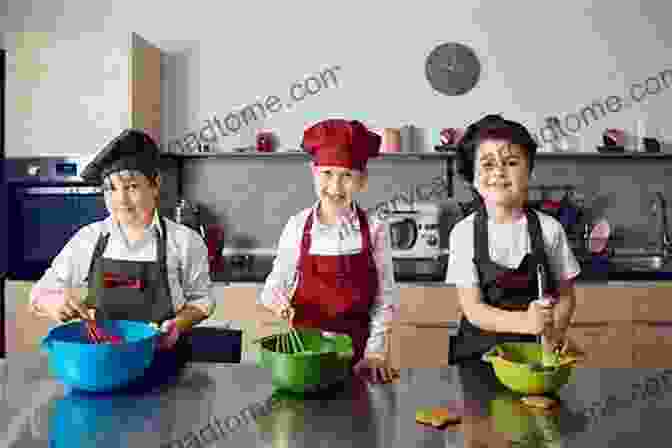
[[72, 92], [617, 327], [420, 346], [428, 305], [652, 326], [607, 345], [416, 327], [24, 330], [652, 345], [603, 304]]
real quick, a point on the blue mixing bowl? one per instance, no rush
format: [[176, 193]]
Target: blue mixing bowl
[[100, 367]]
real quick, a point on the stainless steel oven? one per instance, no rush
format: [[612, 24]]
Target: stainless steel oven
[[47, 204]]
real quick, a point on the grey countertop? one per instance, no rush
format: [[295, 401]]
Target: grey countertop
[[599, 408]]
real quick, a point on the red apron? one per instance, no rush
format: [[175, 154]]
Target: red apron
[[335, 292]]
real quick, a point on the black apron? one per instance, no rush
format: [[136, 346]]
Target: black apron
[[501, 287], [140, 291], [137, 291]]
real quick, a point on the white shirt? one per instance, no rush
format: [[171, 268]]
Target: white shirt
[[508, 244], [339, 239], [186, 257]]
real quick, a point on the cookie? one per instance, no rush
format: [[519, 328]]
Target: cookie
[[437, 417], [539, 401]]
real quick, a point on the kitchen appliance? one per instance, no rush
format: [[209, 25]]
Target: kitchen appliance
[[415, 233], [189, 214], [3, 208], [47, 204], [416, 243]]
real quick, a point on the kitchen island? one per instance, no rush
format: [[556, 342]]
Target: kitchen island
[[234, 405]]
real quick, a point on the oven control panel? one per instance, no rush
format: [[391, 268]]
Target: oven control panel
[[50, 169]]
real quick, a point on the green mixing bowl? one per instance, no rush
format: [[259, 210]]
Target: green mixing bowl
[[325, 361], [515, 373]]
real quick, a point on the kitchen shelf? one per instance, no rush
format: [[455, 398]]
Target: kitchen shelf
[[602, 155], [445, 157], [302, 155]]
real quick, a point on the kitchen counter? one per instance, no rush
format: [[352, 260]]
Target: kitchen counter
[[600, 408]]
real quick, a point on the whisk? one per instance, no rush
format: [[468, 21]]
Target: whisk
[[97, 335], [288, 342]]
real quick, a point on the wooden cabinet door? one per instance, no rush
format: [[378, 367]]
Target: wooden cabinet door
[[602, 304], [420, 347], [428, 305], [654, 304], [652, 345], [23, 329], [239, 305], [605, 345]]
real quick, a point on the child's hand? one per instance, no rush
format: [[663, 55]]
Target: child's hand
[[538, 316], [170, 333], [280, 306]]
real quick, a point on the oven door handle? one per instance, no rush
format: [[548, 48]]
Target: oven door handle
[[45, 191]]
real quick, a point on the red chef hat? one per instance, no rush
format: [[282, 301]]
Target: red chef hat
[[344, 143]]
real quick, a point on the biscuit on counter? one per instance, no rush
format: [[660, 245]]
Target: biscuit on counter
[[437, 417], [539, 401]]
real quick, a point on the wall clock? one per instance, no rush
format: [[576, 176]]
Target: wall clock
[[452, 69]]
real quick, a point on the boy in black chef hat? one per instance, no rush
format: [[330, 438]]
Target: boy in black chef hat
[[496, 251], [133, 281]]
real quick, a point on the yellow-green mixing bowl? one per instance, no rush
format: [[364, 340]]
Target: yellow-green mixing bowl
[[515, 373]]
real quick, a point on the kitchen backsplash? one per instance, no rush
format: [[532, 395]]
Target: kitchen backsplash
[[619, 189], [253, 198]]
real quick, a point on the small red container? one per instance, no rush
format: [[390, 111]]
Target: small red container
[[265, 142]]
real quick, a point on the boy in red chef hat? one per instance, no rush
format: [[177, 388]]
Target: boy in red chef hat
[[334, 263]]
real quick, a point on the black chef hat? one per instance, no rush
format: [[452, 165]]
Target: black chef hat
[[491, 127], [131, 150]]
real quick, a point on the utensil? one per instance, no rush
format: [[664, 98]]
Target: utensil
[[287, 343], [97, 335], [547, 358]]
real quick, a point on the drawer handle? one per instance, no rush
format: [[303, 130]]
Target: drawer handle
[[593, 333]]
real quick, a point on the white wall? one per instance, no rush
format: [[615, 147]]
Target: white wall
[[538, 59]]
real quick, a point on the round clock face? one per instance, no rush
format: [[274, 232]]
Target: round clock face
[[452, 69]]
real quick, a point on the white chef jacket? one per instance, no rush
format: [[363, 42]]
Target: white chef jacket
[[186, 257], [340, 239], [508, 244]]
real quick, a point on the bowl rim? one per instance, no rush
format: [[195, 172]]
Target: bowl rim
[[50, 337]]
